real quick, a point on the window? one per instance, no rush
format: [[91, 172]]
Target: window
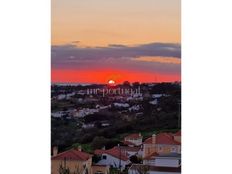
[[173, 149], [99, 172], [104, 157]]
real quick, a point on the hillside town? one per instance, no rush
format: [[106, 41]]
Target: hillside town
[[134, 132]]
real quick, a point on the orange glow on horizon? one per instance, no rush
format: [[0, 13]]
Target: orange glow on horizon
[[105, 76]]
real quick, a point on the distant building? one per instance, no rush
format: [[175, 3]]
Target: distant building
[[157, 95], [135, 139], [85, 111], [121, 105], [154, 102], [87, 126], [58, 114], [65, 96], [61, 96], [134, 108]]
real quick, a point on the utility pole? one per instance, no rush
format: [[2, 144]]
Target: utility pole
[[119, 158]]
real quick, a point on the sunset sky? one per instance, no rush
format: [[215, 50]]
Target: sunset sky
[[94, 41]]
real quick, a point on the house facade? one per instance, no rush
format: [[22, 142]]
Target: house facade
[[133, 139], [162, 143], [115, 157], [144, 169], [163, 160], [100, 169], [161, 155], [74, 160]]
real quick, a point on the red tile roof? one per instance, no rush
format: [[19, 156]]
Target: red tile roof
[[130, 149], [128, 143], [72, 155], [115, 152], [133, 136], [163, 138], [148, 141], [178, 133], [166, 138], [99, 151]]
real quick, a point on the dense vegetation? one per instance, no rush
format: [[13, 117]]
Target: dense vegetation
[[155, 118]]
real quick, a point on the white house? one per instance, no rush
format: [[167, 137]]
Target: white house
[[85, 111], [163, 160], [139, 168], [121, 105], [114, 157], [154, 102], [65, 96], [59, 114], [135, 139], [131, 151], [61, 96], [134, 108], [159, 95]]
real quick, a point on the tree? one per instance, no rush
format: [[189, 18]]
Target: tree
[[126, 83], [134, 159], [143, 169], [99, 142], [135, 84], [66, 170]]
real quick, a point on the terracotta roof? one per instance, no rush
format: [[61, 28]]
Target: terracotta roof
[[160, 155], [166, 138], [156, 168], [148, 141], [178, 133], [99, 151], [72, 154], [128, 143], [163, 138], [115, 152], [130, 149], [133, 136]]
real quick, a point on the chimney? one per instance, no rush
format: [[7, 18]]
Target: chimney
[[55, 150], [153, 138], [104, 148], [79, 148]]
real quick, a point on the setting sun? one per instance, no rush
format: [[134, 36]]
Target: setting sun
[[111, 82]]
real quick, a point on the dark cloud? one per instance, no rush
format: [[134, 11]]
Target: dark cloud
[[72, 56], [117, 45]]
